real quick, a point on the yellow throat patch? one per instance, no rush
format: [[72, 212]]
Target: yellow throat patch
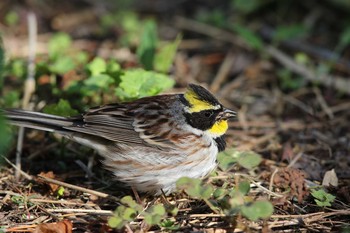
[[219, 128], [196, 104]]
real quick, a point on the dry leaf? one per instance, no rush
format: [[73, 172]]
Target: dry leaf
[[330, 179], [64, 226]]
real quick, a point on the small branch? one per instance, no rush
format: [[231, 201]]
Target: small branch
[[339, 83], [29, 86], [223, 72], [85, 211], [71, 186]]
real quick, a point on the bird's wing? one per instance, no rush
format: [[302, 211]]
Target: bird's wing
[[139, 123], [109, 122]]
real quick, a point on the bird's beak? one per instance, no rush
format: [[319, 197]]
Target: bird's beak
[[227, 114]]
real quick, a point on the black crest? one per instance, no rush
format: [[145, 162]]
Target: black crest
[[204, 94]]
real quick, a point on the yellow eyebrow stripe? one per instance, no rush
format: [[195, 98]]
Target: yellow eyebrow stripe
[[197, 105]]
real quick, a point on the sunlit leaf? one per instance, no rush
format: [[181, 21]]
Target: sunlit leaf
[[257, 210], [97, 66], [249, 159], [251, 38], [165, 56], [59, 44], [62, 65], [148, 43], [140, 83], [244, 187], [62, 108]]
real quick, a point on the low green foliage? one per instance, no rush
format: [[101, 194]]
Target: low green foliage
[[169, 225], [129, 210], [257, 210], [194, 188], [11, 18], [322, 198], [164, 57], [287, 32], [140, 83], [247, 6], [148, 43], [246, 159], [5, 135], [62, 108], [2, 65], [289, 81], [227, 201], [251, 38]]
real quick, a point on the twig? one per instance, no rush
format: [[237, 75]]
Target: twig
[[299, 104], [295, 159], [71, 186], [323, 103], [29, 86], [271, 181], [18, 169], [339, 83], [89, 211], [62, 202], [223, 72]]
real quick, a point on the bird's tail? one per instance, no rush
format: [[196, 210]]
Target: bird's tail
[[37, 120]]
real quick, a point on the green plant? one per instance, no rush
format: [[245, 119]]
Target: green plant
[[140, 83], [246, 159], [62, 108], [229, 202], [322, 198], [129, 210], [5, 135]]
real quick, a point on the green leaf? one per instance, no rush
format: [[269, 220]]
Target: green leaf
[[186, 182], [128, 200], [97, 66], [59, 44], [18, 68], [116, 222], [251, 38], [62, 108], [129, 214], [246, 6], [165, 57], [146, 49], [244, 187], [62, 65], [5, 135], [257, 210], [158, 209], [169, 225], [11, 18], [194, 187], [99, 81], [226, 159], [249, 159], [60, 191], [344, 39], [2, 64], [219, 193], [289, 32], [140, 83], [10, 99], [322, 198], [113, 68]]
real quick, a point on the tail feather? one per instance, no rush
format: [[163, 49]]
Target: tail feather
[[37, 120]]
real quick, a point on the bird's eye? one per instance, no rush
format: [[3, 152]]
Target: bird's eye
[[208, 113]]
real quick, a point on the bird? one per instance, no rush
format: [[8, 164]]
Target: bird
[[148, 143]]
